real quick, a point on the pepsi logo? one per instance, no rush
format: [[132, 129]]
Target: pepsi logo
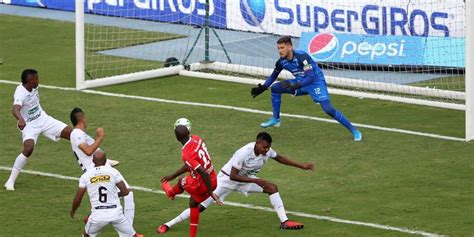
[[253, 11], [323, 46]]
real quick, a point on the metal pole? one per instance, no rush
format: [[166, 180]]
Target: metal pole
[[80, 57], [206, 33], [469, 76], [222, 45], [192, 48]]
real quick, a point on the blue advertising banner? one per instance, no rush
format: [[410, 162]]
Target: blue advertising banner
[[176, 11], [445, 52], [384, 50]]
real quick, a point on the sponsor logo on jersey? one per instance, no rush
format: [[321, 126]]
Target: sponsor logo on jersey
[[33, 110], [100, 179]]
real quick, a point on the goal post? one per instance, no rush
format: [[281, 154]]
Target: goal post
[[469, 70], [80, 58]]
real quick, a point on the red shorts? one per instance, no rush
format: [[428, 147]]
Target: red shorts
[[197, 188]]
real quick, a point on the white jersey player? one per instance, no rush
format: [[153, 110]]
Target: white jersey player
[[80, 142], [32, 121], [84, 146], [239, 175], [104, 185]]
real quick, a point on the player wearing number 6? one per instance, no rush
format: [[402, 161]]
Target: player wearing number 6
[[101, 183], [84, 146], [201, 181], [309, 80]]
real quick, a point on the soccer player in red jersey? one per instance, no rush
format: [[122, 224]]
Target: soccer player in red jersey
[[202, 179]]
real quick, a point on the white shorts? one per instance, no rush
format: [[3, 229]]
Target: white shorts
[[225, 186], [123, 227], [46, 125]]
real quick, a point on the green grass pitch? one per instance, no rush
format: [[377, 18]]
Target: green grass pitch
[[393, 179]]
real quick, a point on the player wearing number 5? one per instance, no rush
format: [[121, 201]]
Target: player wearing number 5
[[309, 80], [101, 183], [202, 179]]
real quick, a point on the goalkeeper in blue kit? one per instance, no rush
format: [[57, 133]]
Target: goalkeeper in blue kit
[[309, 80]]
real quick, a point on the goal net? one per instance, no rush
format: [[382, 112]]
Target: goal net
[[410, 51]]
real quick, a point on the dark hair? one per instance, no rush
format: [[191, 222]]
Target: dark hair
[[285, 40], [26, 73], [264, 136], [74, 117]]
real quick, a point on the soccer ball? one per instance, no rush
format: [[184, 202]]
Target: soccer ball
[[183, 121]]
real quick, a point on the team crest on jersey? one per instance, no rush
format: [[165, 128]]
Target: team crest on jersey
[[306, 66], [100, 179]]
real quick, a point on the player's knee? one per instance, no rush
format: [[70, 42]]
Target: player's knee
[[28, 148], [276, 88], [66, 133], [271, 188]]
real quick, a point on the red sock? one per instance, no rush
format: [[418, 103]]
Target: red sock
[[194, 221], [177, 190]]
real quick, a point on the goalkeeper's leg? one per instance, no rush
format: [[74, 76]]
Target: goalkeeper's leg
[[319, 94], [277, 90]]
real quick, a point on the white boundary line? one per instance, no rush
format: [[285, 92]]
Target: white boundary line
[[247, 110], [249, 206]]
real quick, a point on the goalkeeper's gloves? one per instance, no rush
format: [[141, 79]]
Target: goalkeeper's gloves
[[287, 85], [258, 90]]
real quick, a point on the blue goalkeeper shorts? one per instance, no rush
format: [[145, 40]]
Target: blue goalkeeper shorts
[[318, 90]]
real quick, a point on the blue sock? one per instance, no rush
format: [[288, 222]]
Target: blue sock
[[338, 116], [276, 103], [277, 90]]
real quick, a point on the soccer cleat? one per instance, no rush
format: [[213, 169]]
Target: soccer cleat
[[166, 186], [162, 229], [138, 235], [271, 122], [291, 225], [113, 162], [357, 135], [9, 186]]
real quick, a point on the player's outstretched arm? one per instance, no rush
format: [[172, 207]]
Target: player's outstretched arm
[[77, 201], [284, 160], [16, 113], [177, 173], [90, 149]]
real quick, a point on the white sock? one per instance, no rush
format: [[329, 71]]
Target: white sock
[[129, 207], [183, 216], [277, 203], [17, 166]]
